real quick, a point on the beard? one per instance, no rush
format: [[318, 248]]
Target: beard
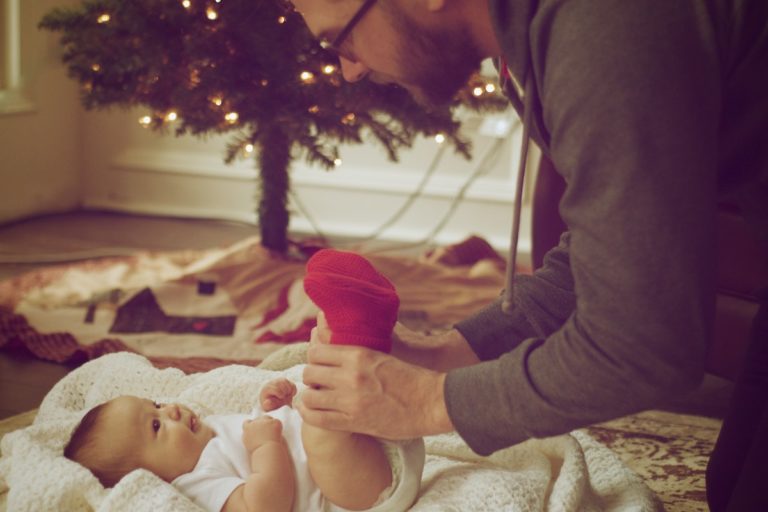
[[434, 64]]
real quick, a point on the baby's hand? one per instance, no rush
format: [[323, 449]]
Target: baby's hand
[[261, 430], [277, 393]]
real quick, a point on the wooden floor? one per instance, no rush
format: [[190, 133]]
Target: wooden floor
[[30, 244]]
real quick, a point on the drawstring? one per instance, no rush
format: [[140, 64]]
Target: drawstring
[[507, 303]]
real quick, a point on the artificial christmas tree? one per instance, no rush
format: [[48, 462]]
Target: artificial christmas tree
[[249, 66]]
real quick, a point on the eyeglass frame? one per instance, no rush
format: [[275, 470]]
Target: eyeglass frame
[[334, 47]]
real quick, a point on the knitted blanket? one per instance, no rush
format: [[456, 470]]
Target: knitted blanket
[[566, 473]]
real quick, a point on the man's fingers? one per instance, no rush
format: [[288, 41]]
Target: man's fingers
[[322, 323], [319, 416], [321, 333], [320, 377], [323, 400]]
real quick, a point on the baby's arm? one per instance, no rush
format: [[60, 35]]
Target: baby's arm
[[272, 484]]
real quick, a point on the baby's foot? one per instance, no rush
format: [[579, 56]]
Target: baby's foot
[[359, 303]]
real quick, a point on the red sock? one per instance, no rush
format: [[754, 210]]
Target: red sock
[[359, 303]]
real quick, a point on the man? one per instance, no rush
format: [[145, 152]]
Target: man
[[652, 111]]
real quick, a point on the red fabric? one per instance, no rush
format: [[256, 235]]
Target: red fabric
[[62, 347], [359, 303]]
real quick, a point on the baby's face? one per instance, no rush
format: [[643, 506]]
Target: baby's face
[[167, 439]]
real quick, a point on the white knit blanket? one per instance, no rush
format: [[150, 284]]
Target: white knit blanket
[[566, 473]]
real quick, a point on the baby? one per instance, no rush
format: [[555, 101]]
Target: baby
[[273, 461], [232, 462]]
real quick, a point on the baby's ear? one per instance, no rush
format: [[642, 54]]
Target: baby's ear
[[435, 5]]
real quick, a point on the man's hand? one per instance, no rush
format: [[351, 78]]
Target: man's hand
[[440, 352], [356, 389], [276, 393], [258, 431]]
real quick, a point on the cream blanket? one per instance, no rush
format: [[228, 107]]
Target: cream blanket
[[566, 473]]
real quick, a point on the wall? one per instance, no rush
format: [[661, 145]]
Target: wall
[[40, 118]]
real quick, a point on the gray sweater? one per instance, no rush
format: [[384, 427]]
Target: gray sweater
[[652, 110]]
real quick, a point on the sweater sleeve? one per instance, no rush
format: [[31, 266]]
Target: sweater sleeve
[[631, 98], [543, 302]]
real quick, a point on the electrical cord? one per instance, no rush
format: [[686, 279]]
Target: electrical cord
[[394, 218], [482, 168], [409, 201]]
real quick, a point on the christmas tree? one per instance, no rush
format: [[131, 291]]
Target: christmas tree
[[250, 67]]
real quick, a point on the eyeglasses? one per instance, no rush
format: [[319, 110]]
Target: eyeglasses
[[334, 46]]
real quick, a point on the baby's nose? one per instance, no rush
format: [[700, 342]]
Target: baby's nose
[[173, 411]]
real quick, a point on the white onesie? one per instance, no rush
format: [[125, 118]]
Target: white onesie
[[224, 465]]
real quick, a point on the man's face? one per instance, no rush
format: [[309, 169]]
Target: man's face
[[165, 439], [388, 45]]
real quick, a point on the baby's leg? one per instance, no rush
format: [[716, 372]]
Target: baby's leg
[[351, 470]]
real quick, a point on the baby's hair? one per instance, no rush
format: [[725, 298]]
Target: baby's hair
[[85, 449]]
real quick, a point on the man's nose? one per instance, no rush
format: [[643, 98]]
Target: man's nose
[[353, 71]]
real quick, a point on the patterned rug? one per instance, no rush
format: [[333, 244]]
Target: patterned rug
[[197, 310], [669, 451]]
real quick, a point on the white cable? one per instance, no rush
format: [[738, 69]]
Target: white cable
[[411, 198], [396, 216], [481, 169]]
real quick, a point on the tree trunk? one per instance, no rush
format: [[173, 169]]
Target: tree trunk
[[273, 161]]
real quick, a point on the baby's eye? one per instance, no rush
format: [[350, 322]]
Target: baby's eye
[[157, 405], [155, 425]]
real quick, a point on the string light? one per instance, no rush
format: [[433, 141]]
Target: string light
[[307, 76], [211, 13], [314, 109], [96, 67], [281, 19], [104, 18], [194, 77], [232, 117], [440, 138], [477, 91], [489, 88], [249, 148], [328, 69], [217, 100], [186, 3], [348, 119], [145, 121], [337, 162], [171, 116]]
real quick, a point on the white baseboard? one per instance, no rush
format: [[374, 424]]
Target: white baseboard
[[349, 202]]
